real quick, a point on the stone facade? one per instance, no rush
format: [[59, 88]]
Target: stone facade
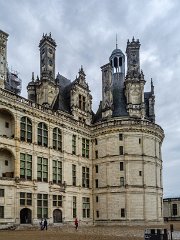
[[60, 160], [171, 209]]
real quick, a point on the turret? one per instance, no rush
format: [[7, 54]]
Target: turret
[[134, 82], [3, 58], [113, 75], [47, 47], [31, 88]]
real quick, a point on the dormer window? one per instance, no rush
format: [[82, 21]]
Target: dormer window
[[82, 102]]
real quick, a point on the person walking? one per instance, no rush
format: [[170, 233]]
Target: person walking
[[76, 223], [45, 224], [42, 224]]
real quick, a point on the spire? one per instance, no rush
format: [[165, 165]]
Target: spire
[[152, 86], [116, 42], [32, 76]]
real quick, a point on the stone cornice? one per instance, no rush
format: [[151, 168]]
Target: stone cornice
[[127, 125], [12, 101]]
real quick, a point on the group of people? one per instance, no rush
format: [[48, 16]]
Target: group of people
[[43, 224]]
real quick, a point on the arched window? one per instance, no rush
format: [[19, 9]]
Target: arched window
[[26, 129], [42, 134], [57, 139]]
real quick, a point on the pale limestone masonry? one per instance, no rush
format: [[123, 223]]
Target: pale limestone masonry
[[116, 152], [171, 209]]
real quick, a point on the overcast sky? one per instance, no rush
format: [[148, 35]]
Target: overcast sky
[[85, 33]]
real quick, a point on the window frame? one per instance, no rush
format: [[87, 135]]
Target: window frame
[[85, 177], [121, 166], [86, 207], [2, 191], [25, 197], [26, 166], [85, 147], [73, 174], [123, 212], [57, 139], [74, 207], [42, 169], [57, 171], [2, 212], [26, 132], [57, 200], [42, 134], [42, 206], [121, 150], [120, 137], [74, 144], [122, 181]]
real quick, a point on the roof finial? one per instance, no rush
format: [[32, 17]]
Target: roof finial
[[116, 41]]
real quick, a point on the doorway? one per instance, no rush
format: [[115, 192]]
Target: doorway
[[57, 216], [25, 216]]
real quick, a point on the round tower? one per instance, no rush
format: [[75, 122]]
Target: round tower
[[117, 62]]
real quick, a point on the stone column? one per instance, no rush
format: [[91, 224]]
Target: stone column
[[17, 146]]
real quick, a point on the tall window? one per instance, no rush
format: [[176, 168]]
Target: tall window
[[57, 171], [97, 169], [42, 169], [85, 147], [1, 192], [73, 144], [42, 206], [120, 137], [25, 199], [174, 209], [82, 102], [85, 177], [86, 207], [42, 134], [25, 166], [57, 139], [26, 129], [121, 166], [121, 151], [1, 211], [121, 181], [57, 201], [96, 154], [122, 212], [73, 175], [97, 184], [74, 207]]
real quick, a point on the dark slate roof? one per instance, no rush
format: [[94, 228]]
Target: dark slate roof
[[116, 52], [98, 116], [147, 95], [63, 99], [119, 103], [119, 106]]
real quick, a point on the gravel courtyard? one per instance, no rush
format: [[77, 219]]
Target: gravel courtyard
[[83, 233]]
